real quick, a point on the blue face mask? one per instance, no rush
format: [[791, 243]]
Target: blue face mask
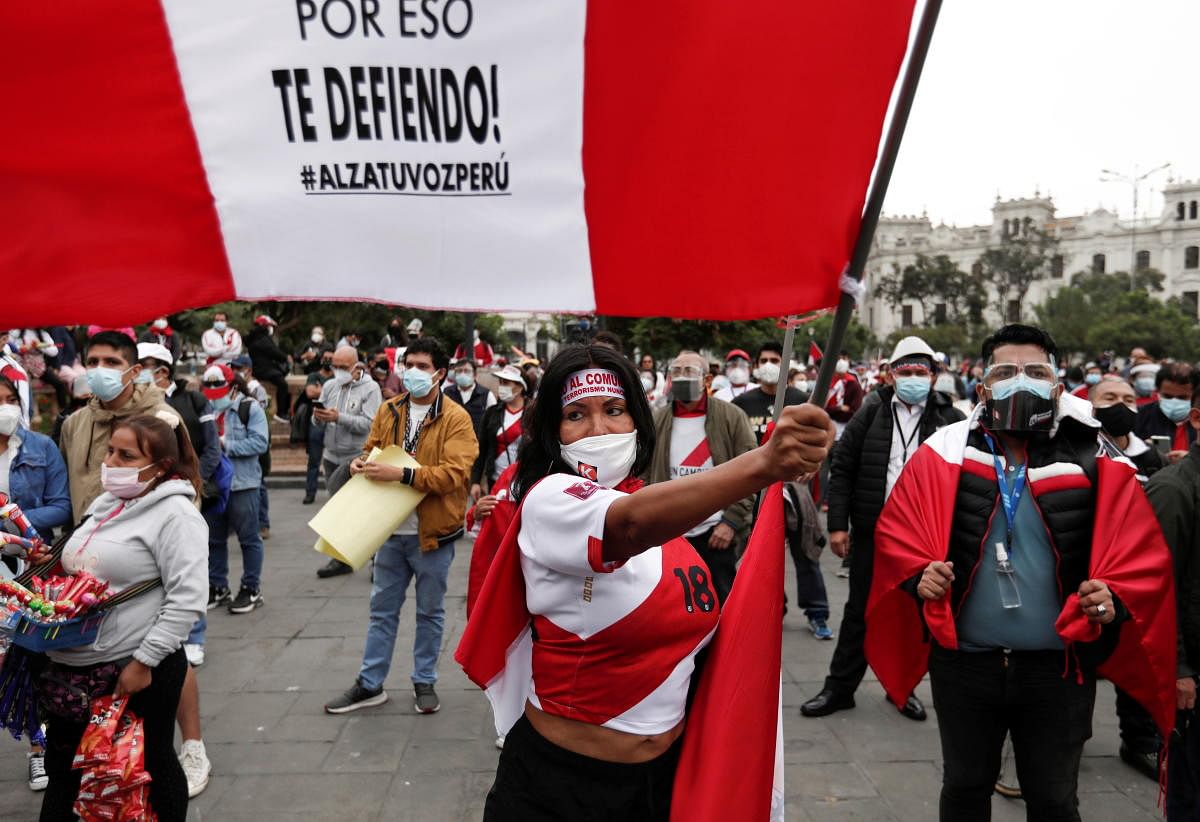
[[221, 403], [912, 390], [417, 382], [1175, 410], [106, 383], [1144, 386], [464, 380], [1092, 379], [144, 377], [1006, 388]]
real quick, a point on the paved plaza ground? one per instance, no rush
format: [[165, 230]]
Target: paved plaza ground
[[277, 757]]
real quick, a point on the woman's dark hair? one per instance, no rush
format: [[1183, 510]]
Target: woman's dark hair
[[12, 386], [539, 455], [169, 447]]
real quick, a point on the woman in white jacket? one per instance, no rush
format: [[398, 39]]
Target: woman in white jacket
[[144, 526]]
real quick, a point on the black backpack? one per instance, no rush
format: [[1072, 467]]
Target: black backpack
[[264, 460]]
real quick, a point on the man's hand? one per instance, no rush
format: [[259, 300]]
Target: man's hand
[[357, 465], [936, 579], [800, 443], [476, 491], [1096, 601], [326, 414], [1175, 456], [839, 543], [483, 508], [1185, 693], [134, 677], [382, 473], [721, 537]]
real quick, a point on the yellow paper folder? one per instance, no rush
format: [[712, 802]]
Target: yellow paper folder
[[359, 518]]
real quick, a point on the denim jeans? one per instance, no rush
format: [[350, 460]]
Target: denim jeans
[[398, 561], [240, 516], [980, 697], [810, 585], [264, 506], [316, 444]]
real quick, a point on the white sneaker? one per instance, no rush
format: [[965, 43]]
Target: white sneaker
[[194, 653], [196, 766], [500, 742], [38, 778]]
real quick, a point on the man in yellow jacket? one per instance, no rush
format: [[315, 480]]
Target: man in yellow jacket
[[439, 435]]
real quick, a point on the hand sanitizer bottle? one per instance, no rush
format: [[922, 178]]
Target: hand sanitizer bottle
[[1010, 597]]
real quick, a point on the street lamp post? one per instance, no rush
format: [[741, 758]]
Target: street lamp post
[[1110, 176]]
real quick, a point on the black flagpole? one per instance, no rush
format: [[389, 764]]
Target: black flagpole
[[883, 175]]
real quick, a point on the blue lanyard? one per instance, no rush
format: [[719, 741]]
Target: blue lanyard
[[1010, 497]]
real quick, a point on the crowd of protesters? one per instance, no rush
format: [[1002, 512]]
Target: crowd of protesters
[[126, 402]]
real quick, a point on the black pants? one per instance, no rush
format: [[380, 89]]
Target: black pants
[[537, 780], [981, 697], [722, 565], [849, 663], [1137, 726], [156, 706], [1183, 769]]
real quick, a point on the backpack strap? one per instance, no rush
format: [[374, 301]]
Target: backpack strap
[[243, 411]]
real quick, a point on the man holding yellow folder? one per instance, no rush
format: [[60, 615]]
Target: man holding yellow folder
[[439, 435]]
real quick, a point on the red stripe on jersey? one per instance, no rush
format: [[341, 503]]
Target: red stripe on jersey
[[699, 455], [603, 676], [1059, 483]]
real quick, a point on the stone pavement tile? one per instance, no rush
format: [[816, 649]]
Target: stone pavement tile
[[370, 744], [241, 717], [910, 788], [447, 796], [294, 727], [1114, 807], [876, 732], [357, 796], [230, 665], [810, 740], [348, 628], [257, 756], [849, 810], [828, 781], [17, 802]]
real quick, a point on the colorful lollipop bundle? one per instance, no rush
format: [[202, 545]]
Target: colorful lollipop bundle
[[114, 784], [54, 599]]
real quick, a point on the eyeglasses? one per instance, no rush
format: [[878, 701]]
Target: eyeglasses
[[212, 386], [997, 372], [686, 372]]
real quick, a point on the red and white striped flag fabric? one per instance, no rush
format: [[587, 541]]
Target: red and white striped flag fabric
[[683, 159]]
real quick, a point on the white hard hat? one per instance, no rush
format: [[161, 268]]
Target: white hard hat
[[911, 346], [154, 351], [415, 325]]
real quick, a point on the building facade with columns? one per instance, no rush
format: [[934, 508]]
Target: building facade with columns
[[1096, 241]]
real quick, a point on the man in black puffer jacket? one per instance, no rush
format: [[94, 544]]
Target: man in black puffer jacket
[[889, 427]]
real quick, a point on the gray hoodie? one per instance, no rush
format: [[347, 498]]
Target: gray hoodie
[[130, 541], [356, 403]]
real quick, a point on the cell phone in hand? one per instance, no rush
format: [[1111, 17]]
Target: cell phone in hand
[[318, 405], [1161, 444]]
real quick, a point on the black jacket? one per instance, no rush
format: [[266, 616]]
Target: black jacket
[[858, 465], [485, 432], [1152, 422], [1175, 494], [475, 407], [268, 362]]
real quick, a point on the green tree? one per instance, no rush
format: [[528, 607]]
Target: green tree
[[663, 337], [933, 281], [1013, 268], [860, 343]]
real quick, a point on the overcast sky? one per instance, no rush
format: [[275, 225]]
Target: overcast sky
[[1025, 94]]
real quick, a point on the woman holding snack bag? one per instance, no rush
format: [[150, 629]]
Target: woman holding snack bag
[[144, 531]]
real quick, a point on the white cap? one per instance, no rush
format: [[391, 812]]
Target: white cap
[[510, 373], [1144, 368], [912, 346], [415, 325], [213, 374], [154, 351]]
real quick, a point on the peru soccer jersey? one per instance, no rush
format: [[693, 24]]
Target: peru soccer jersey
[[614, 644]]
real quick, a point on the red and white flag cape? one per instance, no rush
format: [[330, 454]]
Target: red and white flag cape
[[733, 745], [607, 156], [1128, 553]]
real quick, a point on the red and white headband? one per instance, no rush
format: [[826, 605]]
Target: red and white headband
[[592, 382]]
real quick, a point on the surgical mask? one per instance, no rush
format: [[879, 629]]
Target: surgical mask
[[842, 366], [144, 377], [465, 379], [106, 383], [800, 385], [647, 383], [341, 376], [1116, 419], [686, 389], [506, 393], [739, 375], [1176, 410], [221, 403], [1091, 379], [318, 338], [606, 459], [219, 325], [124, 483], [10, 419], [1144, 386], [912, 390], [417, 382], [768, 373]]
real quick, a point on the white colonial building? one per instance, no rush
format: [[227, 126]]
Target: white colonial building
[[1096, 241]]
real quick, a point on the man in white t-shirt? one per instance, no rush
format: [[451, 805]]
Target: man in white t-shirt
[[737, 371], [693, 433]]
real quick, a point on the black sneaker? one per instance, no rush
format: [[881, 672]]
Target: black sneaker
[[355, 698], [426, 698], [309, 499], [245, 601], [334, 568], [217, 596]]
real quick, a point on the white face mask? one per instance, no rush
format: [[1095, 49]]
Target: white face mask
[[10, 419], [739, 375], [341, 376], [605, 458], [768, 372], [123, 483], [505, 393], [800, 385]]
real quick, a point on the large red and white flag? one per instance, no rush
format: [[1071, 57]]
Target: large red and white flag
[[646, 159]]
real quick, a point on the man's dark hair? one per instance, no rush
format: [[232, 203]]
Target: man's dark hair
[[430, 346], [540, 453], [465, 361], [1017, 334], [122, 343], [1177, 372], [770, 345], [610, 339], [1075, 374]]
